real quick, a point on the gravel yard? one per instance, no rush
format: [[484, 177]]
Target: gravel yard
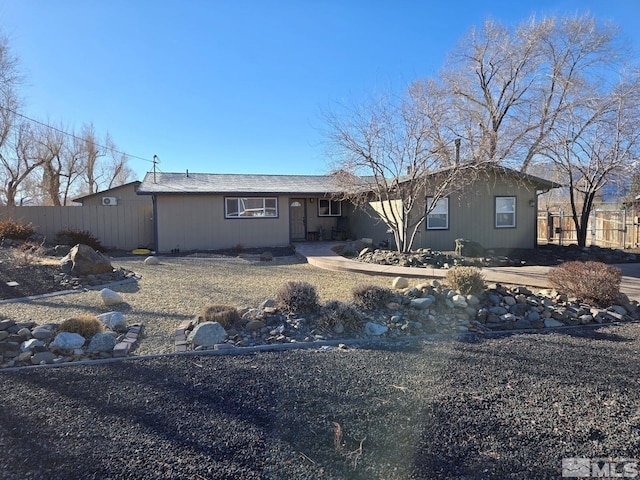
[[510, 407], [178, 288]]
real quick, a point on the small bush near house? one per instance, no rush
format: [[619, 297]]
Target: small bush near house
[[372, 297], [595, 283], [466, 280], [85, 325], [336, 311], [15, 230], [297, 297], [223, 314], [74, 237]]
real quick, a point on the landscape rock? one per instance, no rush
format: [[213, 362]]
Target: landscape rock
[[68, 341], [29, 345], [207, 334], [254, 325], [102, 342], [41, 358], [84, 260], [551, 323], [421, 303], [151, 260], [468, 248], [43, 332], [400, 283], [375, 329], [110, 298], [113, 320]]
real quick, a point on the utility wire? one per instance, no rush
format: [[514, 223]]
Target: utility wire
[[72, 135]]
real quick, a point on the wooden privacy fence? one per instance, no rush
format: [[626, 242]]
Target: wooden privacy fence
[[124, 227], [606, 228]]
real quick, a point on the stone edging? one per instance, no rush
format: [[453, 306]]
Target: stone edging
[[358, 343]]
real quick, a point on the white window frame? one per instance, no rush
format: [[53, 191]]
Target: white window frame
[[442, 204], [500, 211], [254, 211], [328, 204]]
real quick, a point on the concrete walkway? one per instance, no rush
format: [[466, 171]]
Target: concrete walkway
[[320, 254]]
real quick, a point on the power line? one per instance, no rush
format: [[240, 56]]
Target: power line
[[72, 135]]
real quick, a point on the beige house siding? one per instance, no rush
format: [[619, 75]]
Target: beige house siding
[[125, 195], [472, 216], [197, 222]]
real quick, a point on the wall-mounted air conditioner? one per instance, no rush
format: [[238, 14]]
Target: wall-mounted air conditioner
[[109, 201]]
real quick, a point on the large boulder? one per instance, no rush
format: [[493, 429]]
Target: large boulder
[[84, 260]]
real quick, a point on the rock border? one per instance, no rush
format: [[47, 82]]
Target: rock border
[[425, 309]]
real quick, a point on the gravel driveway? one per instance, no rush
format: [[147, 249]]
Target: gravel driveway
[[508, 407]]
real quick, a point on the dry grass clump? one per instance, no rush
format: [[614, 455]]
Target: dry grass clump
[[15, 230], [465, 280], [297, 297], [85, 325], [347, 314], [27, 254], [372, 297], [225, 315], [594, 283]]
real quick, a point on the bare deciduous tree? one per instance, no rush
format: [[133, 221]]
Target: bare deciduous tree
[[103, 166], [599, 143], [385, 156], [511, 86]]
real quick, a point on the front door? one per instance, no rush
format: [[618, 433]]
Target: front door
[[297, 219]]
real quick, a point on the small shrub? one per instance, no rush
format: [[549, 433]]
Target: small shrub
[[223, 314], [595, 283], [74, 237], [297, 297], [85, 325], [466, 280], [372, 297], [15, 230], [336, 311]]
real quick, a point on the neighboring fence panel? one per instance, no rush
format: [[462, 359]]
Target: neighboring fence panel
[[123, 227], [606, 228]]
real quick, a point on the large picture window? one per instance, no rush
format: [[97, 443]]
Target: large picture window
[[251, 207], [329, 208], [505, 212], [438, 217]]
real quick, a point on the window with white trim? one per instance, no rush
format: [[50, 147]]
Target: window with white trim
[[438, 217], [329, 208], [251, 207], [505, 212]]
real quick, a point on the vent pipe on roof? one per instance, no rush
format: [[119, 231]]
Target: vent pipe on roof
[[187, 173]]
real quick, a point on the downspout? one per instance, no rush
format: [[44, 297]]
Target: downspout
[[154, 200]]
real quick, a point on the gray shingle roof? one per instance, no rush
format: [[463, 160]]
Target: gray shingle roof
[[179, 183]]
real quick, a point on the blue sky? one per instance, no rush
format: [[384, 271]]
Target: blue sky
[[238, 86]]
